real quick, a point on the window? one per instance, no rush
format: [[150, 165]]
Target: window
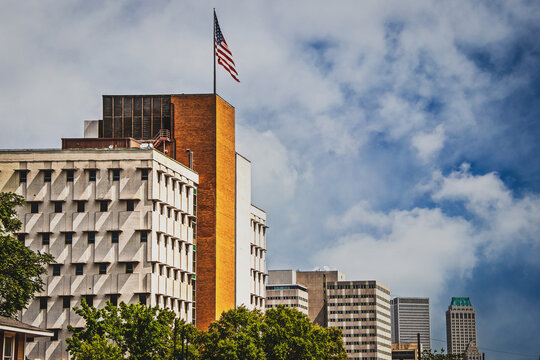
[[70, 175], [68, 238], [113, 298], [45, 238], [80, 206], [79, 269], [115, 235], [56, 270], [43, 303], [102, 268], [144, 236], [22, 177], [144, 174], [158, 177], [55, 334], [129, 268], [66, 302], [142, 299], [91, 236], [89, 299], [92, 175], [116, 174], [168, 212], [57, 206], [130, 205], [21, 237], [47, 175], [34, 207], [103, 205]]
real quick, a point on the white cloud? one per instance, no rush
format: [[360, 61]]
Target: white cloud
[[428, 145], [416, 251]]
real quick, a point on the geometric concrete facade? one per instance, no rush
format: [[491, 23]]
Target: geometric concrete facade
[[250, 242], [460, 325], [120, 224], [410, 316], [282, 289]]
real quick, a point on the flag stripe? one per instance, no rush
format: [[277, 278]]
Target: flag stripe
[[222, 51]]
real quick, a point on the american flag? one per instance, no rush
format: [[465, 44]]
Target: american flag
[[223, 53]]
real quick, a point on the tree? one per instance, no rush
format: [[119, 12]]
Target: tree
[[428, 355], [289, 334], [133, 332], [20, 267], [237, 335]]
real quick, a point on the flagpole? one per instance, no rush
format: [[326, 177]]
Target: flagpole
[[214, 49]]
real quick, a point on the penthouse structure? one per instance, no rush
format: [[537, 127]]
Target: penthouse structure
[[283, 289], [410, 316], [460, 326], [120, 223]]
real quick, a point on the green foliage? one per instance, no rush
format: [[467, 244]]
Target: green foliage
[[427, 355], [20, 267], [133, 332], [291, 335], [237, 335]]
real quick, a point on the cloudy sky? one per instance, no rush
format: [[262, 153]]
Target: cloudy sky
[[392, 140]]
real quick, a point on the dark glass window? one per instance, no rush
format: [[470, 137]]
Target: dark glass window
[[56, 270], [79, 269], [55, 334], [80, 206], [103, 205], [144, 174], [21, 237], [47, 175], [113, 298], [43, 303], [34, 207], [89, 299], [102, 268], [129, 268], [92, 175], [22, 177], [130, 205], [142, 299], [144, 236], [91, 236], [57, 206], [70, 175], [116, 174], [68, 237], [45, 238], [66, 302], [115, 235]]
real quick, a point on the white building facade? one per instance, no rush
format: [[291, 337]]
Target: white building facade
[[283, 289], [121, 225], [410, 316], [250, 242]]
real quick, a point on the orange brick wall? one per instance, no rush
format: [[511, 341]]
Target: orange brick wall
[[205, 125]]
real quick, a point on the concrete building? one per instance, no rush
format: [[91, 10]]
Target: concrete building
[[410, 316], [198, 130], [250, 242], [283, 289], [361, 309], [460, 325], [121, 224]]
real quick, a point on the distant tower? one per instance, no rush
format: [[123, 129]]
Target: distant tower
[[410, 316], [460, 325]]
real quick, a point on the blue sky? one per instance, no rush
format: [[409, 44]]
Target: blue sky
[[393, 140]]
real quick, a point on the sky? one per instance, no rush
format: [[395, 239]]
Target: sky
[[392, 140]]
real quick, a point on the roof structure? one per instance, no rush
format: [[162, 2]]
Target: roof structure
[[9, 324]]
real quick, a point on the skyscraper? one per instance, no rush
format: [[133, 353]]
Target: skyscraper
[[410, 316], [460, 325]]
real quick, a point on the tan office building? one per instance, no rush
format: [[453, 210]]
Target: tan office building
[[460, 325], [283, 289], [120, 224]]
